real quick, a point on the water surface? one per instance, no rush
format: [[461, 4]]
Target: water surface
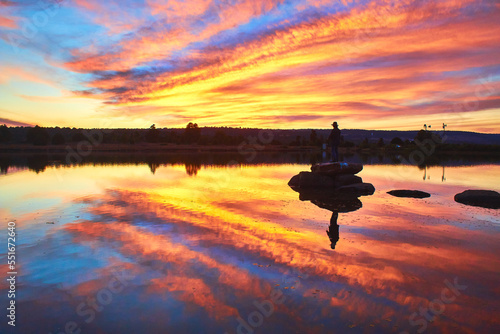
[[229, 248]]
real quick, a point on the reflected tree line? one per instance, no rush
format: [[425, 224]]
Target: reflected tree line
[[195, 161], [192, 161], [191, 168]]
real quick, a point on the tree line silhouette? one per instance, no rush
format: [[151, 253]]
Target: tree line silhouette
[[191, 134], [40, 136]]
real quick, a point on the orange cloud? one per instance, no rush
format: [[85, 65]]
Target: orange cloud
[[301, 70], [289, 65], [8, 23]]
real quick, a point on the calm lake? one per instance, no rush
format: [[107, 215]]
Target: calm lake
[[205, 245]]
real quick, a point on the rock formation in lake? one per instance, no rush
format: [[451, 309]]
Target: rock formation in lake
[[334, 187], [483, 198], [338, 177]]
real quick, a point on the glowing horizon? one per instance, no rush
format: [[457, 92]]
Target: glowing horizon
[[371, 64]]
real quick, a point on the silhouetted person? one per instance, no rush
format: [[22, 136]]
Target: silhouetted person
[[334, 141], [333, 229]]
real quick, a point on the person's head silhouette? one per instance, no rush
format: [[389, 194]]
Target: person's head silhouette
[[335, 125]]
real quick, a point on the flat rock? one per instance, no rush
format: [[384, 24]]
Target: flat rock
[[335, 168], [346, 179], [322, 181], [483, 198], [409, 193], [311, 180], [359, 189]]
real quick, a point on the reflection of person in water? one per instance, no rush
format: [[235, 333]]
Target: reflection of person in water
[[333, 229]]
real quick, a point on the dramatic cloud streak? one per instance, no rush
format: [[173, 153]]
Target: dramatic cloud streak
[[279, 64]]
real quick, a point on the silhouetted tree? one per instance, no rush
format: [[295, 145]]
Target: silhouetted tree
[[37, 136], [77, 137], [220, 138], [313, 138], [37, 163], [347, 144], [124, 138], [58, 139], [423, 135], [192, 133], [135, 137], [152, 135], [5, 134], [274, 142], [4, 165], [153, 166], [381, 142], [192, 168], [364, 143], [397, 141]]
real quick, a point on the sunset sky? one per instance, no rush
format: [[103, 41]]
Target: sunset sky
[[376, 64]]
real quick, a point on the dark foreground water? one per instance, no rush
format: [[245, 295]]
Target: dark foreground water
[[215, 248]]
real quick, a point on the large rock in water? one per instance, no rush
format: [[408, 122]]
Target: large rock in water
[[331, 179], [317, 180], [308, 179], [335, 168], [483, 198], [409, 193]]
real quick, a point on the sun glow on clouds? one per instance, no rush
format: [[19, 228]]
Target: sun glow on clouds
[[370, 64]]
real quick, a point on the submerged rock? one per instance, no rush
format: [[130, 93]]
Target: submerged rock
[[330, 199], [409, 193], [339, 204], [483, 198], [317, 180], [310, 194], [336, 168]]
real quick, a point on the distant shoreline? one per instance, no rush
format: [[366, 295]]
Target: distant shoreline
[[221, 137]]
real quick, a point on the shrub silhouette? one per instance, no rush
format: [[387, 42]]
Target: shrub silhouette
[[397, 141], [152, 135]]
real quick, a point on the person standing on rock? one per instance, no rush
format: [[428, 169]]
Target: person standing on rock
[[334, 141]]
